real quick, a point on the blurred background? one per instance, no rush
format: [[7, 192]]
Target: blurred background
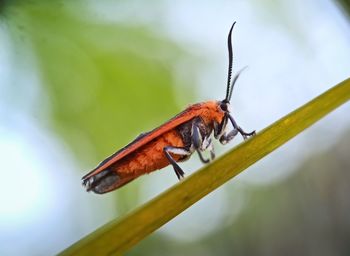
[[80, 79]]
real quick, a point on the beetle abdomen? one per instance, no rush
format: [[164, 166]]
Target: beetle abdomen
[[102, 182], [148, 158]]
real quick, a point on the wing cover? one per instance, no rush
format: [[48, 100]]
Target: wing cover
[[186, 115]]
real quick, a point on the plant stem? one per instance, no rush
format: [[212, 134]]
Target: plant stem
[[121, 234]]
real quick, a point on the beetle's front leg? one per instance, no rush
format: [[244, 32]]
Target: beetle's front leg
[[244, 134], [219, 128], [227, 137], [220, 134]]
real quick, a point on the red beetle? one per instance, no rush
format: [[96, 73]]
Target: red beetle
[[172, 142]]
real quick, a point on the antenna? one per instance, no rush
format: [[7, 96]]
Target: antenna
[[234, 81], [230, 60]]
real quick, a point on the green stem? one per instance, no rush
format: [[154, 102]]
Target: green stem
[[120, 235]]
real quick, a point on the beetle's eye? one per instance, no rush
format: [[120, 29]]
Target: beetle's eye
[[223, 106]]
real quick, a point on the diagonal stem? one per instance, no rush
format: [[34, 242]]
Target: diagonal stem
[[121, 234]]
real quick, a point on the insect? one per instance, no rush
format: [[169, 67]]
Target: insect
[[173, 142]]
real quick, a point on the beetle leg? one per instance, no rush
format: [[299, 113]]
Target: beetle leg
[[211, 150], [219, 131], [225, 138], [205, 144], [178, 151], [197, 139], [244, 134], [219, 128], [216, 129], [198, 143], [203, 160]]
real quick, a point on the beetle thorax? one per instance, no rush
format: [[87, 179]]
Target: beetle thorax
[[211, 112]]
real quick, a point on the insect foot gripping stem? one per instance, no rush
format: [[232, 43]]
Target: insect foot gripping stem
[[101, 182]]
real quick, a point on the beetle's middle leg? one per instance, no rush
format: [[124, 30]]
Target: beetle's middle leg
[[200, 144], [177, 151]]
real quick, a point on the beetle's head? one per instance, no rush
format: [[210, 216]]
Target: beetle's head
[[224, 106]]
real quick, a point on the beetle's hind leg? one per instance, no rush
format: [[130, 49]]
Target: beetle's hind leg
[[177, 151]]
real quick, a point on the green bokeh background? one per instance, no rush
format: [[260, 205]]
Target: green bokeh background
[[102, 83]]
